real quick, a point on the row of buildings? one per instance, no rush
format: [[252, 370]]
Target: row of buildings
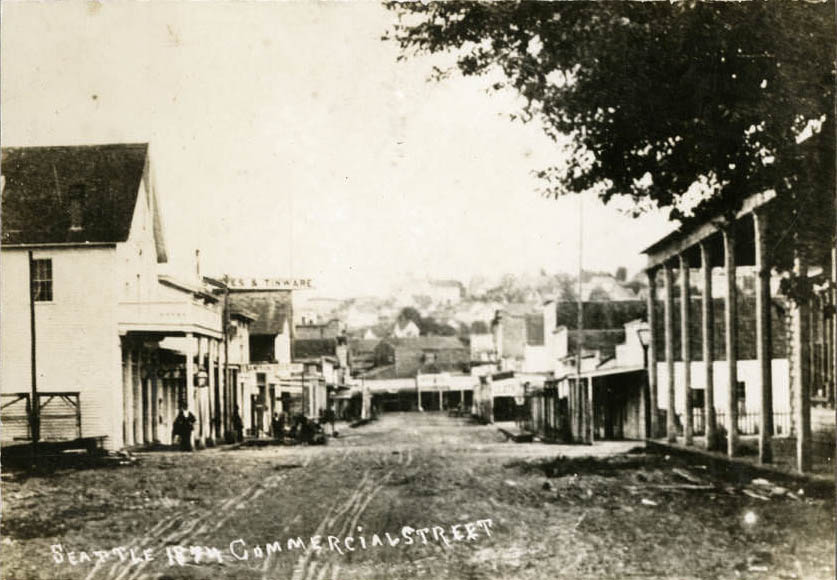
[[714, 355], [105, 344]]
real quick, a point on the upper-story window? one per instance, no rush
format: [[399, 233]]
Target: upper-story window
[[42, 280]]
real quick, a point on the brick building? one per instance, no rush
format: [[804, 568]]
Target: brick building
[[408, 357]]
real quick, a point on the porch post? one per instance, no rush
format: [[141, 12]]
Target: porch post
[[190, 372], [708, 344], [145, 388], [668, 315], [801, 370], [572, 411], [200, 395], [136, 386], [590, 417], [685, 347], [224, 372], [127, 393], [155, 403], [418, 394], [210, 386], [764, 352], [652, 352], [731, 337]]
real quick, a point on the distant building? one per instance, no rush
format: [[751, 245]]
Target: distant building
[[605, 287], [482, 348], [270, 336], [270, 353], [325, 370], [405, 329], [407, 357], [362, 355], [445, 291], [560, 320], [433, 293], [369, 334], [514, 327], [316, 310], [312, 331]]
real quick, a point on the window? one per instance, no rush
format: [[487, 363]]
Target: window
[[429, 357], [42, 280]]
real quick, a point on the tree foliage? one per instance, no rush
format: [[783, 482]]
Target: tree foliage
[[691, 106], [428, 326]]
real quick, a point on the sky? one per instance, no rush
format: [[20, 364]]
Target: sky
[[287, 141]]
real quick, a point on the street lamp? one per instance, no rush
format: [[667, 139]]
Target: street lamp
[[201, 378], [644, 336]]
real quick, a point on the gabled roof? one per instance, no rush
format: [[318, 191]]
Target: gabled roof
[[271, 309], [39, 183]]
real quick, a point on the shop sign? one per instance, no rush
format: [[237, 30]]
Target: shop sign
[[290, 368], [270, 283], [433, 381]]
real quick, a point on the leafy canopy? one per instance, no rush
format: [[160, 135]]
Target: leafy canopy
[[691, 106]]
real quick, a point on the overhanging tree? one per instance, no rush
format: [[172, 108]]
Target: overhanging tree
[[691, 106]]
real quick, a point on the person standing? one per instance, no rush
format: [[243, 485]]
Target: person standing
[[182, 428], [238, 425], [330, 417], [280, 427], [274, 426]]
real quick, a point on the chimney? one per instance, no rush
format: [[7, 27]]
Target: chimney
[[198, 263]]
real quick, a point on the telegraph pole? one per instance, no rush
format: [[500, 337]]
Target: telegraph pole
[[582, 399]]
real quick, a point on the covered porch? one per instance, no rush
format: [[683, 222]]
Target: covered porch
[[172, 355], [731, 358]]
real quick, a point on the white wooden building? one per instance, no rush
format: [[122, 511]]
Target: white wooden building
[[127, 343]]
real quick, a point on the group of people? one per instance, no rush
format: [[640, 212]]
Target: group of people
[[301, 430], [185, 421]]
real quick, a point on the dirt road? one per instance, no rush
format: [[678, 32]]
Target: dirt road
[[409, 496]]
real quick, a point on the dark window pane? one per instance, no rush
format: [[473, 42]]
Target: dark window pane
[[42, 280]]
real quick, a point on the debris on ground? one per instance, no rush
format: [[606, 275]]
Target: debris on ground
[[754, 494], [686, 475]]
